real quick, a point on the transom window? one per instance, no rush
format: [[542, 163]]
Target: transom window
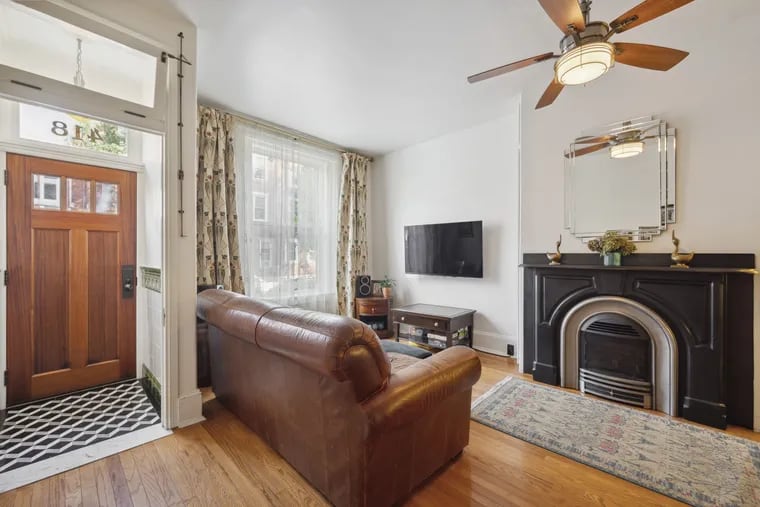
[[67, 129], [43, 45]]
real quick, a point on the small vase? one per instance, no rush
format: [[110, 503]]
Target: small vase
[[612, 259], [386, 292]]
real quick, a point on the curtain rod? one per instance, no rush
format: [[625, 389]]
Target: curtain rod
[[295, 134]]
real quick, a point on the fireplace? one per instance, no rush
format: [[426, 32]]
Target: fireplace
[[677, 340], [617, 348], [616, 359]]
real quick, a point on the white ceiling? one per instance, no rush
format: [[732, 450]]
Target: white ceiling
[[378, 76]]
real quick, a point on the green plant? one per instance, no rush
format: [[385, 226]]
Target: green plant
[[612, 242], [387, 283]]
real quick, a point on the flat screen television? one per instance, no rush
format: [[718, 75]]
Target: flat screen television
[[453, 249]]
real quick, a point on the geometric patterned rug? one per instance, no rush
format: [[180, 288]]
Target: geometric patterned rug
[[48, 428], [696, 465]]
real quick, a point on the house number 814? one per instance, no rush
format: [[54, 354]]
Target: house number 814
[[61, 129]]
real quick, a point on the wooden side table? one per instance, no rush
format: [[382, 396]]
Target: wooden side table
[[442, 320], [375, 312]]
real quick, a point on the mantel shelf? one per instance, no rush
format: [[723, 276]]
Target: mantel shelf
[[746, 271]]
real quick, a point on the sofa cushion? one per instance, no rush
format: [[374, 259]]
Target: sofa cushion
[[403, 348]]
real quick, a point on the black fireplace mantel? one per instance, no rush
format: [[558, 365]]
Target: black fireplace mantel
[[709, 307]]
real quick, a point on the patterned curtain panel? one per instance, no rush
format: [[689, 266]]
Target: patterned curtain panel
[[218, 250], [352, 229]]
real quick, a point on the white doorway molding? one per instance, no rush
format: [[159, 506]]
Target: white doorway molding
[[181, 399]]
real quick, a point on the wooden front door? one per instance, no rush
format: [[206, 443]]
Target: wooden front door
[[71, 256]]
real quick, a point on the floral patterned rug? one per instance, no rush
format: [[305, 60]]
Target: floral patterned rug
[[690, 463]]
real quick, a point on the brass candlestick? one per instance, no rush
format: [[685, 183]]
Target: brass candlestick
[[681, 260], [556, 256]]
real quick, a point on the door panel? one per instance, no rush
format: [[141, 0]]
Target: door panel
[[50, 260], [70, 229], [104, 294]]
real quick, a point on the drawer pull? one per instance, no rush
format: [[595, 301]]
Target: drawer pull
[[403, 318], [435, 324]]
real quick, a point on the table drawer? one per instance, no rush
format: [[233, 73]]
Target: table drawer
[[420, 321], [371, 307]]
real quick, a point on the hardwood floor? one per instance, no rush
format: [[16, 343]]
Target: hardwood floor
[[221, 462]]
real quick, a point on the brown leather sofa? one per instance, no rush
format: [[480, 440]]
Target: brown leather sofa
[[321, 391]]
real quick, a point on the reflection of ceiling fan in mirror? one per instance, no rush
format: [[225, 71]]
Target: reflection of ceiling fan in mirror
[[586, 54], [622, 145]]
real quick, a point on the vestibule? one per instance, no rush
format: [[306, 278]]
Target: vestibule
[[155, 154]]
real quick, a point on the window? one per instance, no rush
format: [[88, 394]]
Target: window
[[66, 129], [46, 194], [259, 207], [51, 53], [66, 53], [46, 191], [265, 253], [288, 199]]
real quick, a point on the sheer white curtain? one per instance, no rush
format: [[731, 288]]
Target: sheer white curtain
[[288, 213]]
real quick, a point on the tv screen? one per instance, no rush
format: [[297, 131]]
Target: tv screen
[[454, 249]]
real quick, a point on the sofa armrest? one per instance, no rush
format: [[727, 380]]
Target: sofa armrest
[[416, 389]]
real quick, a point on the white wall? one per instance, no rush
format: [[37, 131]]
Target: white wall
[[467, 175], [710, 98], [149, 253]]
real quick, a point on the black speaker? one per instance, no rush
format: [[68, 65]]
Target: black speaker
[[363, 286]]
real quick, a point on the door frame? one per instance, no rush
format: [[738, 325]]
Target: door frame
[[181, 399], [8, 146]]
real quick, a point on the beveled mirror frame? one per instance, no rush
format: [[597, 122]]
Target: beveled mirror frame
[[666, 144]]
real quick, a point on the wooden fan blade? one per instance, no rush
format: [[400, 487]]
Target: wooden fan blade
[[593, 140], [647, 56], [498, 71], [587, 150], [550, 94], [564, 13], [645, 11]]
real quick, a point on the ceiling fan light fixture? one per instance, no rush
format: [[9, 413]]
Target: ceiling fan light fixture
[[584, 63], [627, 149]]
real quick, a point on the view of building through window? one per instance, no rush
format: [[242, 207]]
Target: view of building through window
[[286, 224]]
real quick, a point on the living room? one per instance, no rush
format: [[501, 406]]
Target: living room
[[327, 137]]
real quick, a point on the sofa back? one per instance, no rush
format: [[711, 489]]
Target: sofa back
[[340, 348]]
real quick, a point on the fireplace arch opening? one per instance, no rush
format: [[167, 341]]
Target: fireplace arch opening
[[617, 348]]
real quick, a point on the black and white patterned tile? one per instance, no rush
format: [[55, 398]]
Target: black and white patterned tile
[[49, 428]]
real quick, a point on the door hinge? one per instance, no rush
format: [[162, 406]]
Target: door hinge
[[5, 378], [6, 277], [5, 177]]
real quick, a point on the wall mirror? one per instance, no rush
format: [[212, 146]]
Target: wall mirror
[[621, 177]]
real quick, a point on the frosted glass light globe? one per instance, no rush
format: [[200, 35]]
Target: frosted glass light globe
[[585, 63]]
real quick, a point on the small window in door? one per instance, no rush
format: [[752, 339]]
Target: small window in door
[[77, 195], [46, 191], [107, 198]]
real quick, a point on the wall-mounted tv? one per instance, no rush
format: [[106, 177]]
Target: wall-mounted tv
[[453, 249]]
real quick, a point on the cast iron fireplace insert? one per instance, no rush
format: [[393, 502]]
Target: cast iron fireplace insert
[[616, 359]]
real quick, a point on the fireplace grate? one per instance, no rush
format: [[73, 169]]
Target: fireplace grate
[[633, 392]]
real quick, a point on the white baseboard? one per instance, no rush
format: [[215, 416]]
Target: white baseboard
[[492, 343], [190, 409]]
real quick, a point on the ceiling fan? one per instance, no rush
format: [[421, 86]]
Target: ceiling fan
[[623, 144], [586, 54]]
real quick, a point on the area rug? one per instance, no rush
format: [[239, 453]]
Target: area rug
[[696, 465]]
